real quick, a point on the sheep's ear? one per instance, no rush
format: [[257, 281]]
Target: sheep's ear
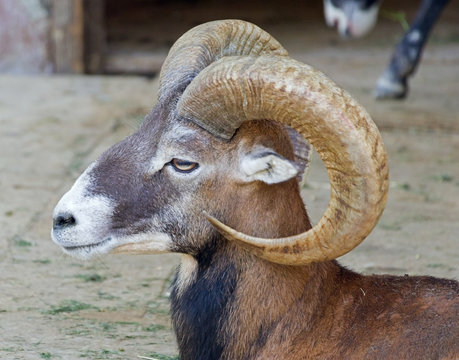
[[268, 166], [302, 151]]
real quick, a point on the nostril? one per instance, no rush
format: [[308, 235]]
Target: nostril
[[63, 220]]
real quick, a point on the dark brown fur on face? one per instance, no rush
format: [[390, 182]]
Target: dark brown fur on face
[[237, 306]]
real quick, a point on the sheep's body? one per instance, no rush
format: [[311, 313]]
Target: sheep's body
[[251, 309], [266, 295]]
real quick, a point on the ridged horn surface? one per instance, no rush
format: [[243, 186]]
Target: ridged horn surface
[[238, 89], [206, 43]]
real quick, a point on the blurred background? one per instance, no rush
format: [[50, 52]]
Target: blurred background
[[76, 76], [133, 36]]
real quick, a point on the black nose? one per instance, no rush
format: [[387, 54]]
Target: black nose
[[63, 220]]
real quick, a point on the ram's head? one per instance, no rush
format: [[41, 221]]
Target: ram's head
[[215, 147]]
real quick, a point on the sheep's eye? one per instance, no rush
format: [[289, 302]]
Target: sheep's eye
[[184, 166]]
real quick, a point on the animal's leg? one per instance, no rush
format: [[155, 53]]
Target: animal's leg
[[393, 83]]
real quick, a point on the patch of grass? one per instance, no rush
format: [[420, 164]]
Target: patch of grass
[[91, 277], [79, 332], [440, 266], [27, 308], [443, 178], [42, 261], [107, 296], [435, 265], [89, 328], [127, 323], [132, 304], [67, 306], [403, 186], [21, 242], [107, 326], [101, 354], [156, 356], [397, 16], [46, 355], [153, 328], [392, 227], [9, 213], [12, 349]]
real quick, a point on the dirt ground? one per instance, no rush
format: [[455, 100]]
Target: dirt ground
[[116, 307]]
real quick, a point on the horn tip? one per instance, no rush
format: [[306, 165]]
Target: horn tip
[[223, 229], [212, 220]]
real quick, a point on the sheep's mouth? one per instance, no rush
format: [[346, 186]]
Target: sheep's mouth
[[88, 247]]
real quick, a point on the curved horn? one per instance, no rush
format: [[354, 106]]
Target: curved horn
[[238, 89], [205, 44]]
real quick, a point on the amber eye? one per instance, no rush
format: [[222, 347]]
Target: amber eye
[[184, 166]]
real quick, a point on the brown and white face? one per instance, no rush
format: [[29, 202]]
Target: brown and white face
[[147, 194]]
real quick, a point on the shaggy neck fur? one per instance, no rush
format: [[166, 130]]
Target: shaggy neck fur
[[237, 304], [242, 307]]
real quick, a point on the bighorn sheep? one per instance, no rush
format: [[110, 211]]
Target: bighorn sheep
[[210, 174], [354, 18]]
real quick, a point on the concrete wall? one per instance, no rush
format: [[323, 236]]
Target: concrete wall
[[24, 44]]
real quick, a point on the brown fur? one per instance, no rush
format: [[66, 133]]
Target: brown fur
[[323, 311], [317, 311]]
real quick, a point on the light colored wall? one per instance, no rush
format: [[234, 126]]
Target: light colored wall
[[24, 28]]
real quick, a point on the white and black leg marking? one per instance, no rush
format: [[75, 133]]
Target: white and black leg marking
[[393, 83]]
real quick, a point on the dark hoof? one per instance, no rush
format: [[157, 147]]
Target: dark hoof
[[388, 88]]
